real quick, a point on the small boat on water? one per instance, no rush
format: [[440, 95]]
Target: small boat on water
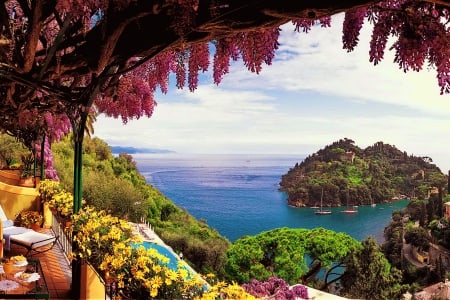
[[349, 211], [321, 211]]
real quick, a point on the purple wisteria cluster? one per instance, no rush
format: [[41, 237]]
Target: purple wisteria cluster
[[275, 288]]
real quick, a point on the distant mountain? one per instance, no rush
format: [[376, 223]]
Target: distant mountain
[[133, 150], [344, 174]]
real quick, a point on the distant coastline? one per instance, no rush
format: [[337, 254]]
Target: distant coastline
[[134, 150]]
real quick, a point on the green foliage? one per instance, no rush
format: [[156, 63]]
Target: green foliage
[[114, 184], [369, 275], [373, 175], [404, 223], [27, 165], [440, 230], [11, 150], [418, 237], [328, 246], [283, 252], [167, 210], [124, 200]]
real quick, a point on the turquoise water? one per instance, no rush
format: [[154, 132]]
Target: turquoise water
[[238, 195]]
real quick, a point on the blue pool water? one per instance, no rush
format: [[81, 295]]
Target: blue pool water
[[173, 263]]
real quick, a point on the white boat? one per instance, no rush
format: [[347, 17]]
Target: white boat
[[350, 210], [321, 211]]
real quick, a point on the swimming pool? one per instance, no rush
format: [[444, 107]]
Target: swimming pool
[[173, 263]]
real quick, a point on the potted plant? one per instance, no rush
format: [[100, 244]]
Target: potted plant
[[30, 219], [27, 170]]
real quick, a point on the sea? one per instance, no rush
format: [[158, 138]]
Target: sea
[[239, 195]]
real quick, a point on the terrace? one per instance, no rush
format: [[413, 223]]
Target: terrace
[[55, 267]]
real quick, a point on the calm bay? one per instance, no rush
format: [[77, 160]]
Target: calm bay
[[238, 195]]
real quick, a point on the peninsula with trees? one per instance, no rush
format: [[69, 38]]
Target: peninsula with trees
[[344, 174]]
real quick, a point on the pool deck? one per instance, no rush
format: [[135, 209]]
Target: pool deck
[[148, 235]]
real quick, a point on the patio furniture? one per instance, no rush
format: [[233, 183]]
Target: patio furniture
[[33, 241]]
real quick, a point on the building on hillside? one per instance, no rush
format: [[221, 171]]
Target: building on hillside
[[433, 191], [348, 156], [447, 210], [421, 256]]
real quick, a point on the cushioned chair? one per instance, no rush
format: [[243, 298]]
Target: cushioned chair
[[33, 241]]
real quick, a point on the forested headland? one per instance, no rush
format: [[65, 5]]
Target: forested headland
[[344, 174]]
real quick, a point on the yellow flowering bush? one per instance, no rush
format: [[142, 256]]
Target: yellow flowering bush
[[224, 290], [63, 203], [57, 197], [108, 244], [28, 217], [48, 188], [142, 273], [96, 234]]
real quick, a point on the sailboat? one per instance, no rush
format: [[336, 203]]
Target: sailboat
[[321, 211], [349, 210]]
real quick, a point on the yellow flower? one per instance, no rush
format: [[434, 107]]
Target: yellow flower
[[183, 273], [172, 275], [154, 292], [140, 275], [71, 256], [209, 296], [108, 243], [156, 282], [156, 268]]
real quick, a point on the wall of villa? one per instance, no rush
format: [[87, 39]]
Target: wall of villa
[[422, 256], [14, 198]]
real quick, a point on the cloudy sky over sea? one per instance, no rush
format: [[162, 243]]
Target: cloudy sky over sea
[[314, 93]]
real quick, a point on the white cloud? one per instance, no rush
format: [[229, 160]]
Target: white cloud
[[313, 94]]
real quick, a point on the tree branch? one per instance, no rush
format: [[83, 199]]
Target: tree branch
[[32, 38]]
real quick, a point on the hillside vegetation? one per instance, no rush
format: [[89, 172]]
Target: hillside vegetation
[[344, 174], [114, 183]]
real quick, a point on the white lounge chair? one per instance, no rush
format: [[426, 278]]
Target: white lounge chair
[[33, 241]]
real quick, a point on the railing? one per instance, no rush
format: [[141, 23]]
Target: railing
[[94, 286], [65, 236]]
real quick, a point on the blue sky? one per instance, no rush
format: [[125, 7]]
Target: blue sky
[[313, 94]]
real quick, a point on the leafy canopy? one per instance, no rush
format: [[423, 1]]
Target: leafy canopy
[[296, 255]]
